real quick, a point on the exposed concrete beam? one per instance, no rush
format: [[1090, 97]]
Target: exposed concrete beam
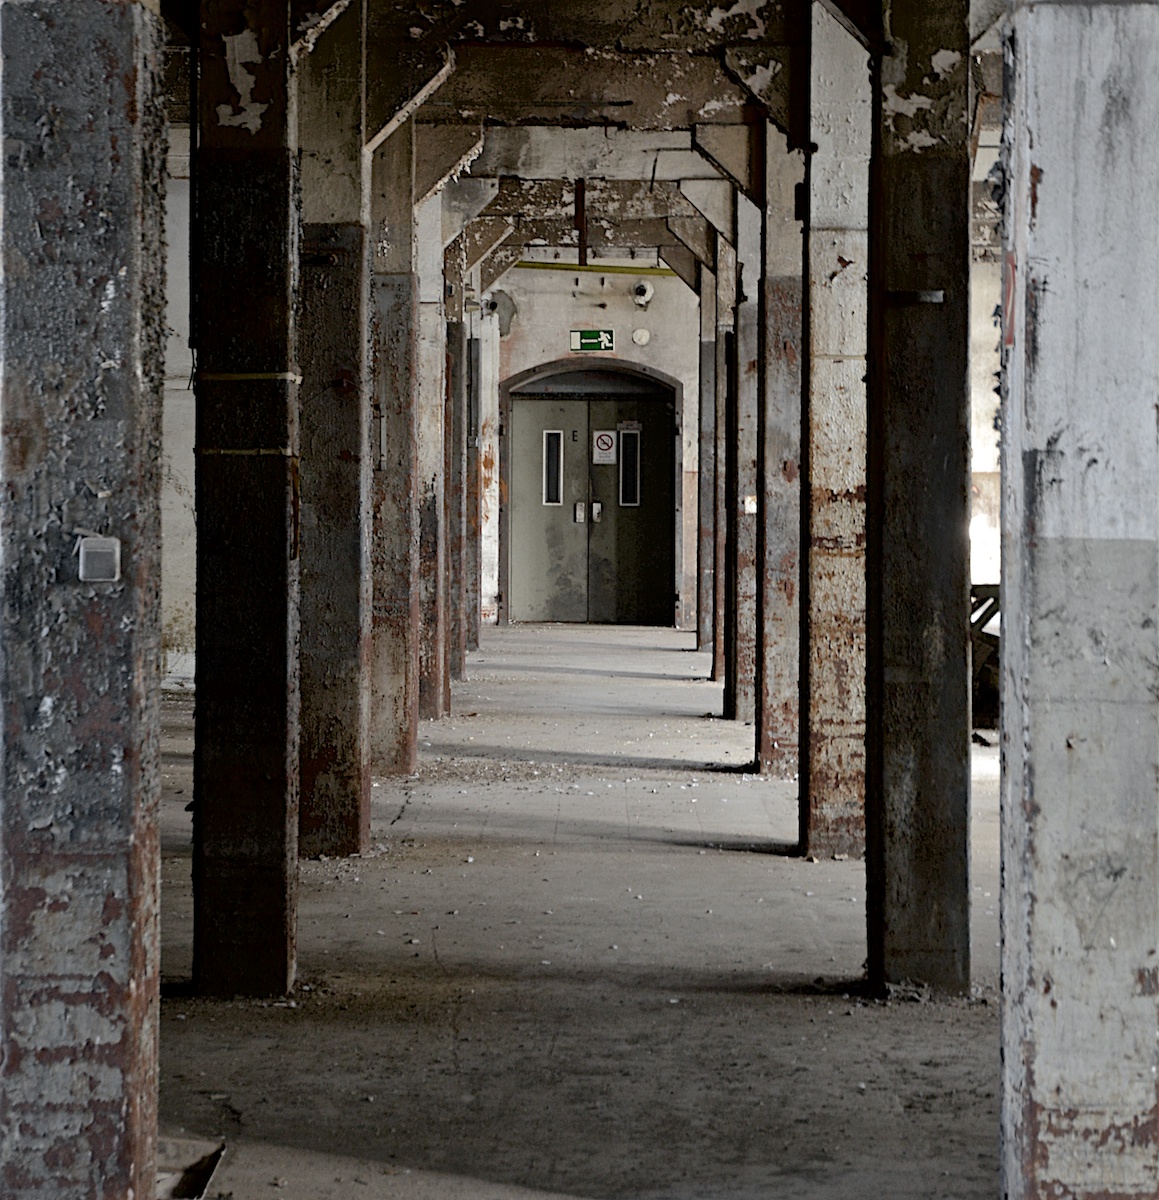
[[400, 78], [713, 199], [683, 262], [648, 233], [698, 235], [536, 152], [862, 19], [608, 199], [483, 236], [767, 74], [497, 264], [701, 28], [309, 25], [463, 200], [731, 149], [571, 88], [441, 153]]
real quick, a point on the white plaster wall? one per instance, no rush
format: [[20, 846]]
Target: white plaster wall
[[178, 527], [550, 303]]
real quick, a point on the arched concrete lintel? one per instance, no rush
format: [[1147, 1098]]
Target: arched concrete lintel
[[523, 382]]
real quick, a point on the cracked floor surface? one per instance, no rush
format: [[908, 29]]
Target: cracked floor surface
[[577, 961]]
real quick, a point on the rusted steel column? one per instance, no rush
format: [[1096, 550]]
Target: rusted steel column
[[917, 600], [779, 462], [832, 806], [245, 229], [725, 375], [740, 677], [394, 446], [1080, 605], [431, 400], [706, 463], [334, 816], [81, 337]]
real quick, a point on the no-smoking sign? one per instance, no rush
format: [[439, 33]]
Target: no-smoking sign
[[604, 446]]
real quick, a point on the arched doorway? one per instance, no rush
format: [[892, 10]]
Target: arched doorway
[[590, 466]]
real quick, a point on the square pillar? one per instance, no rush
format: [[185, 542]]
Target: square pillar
[[431, 399], [245, 237], [832, 808], [333, 345], [706, 463], [458, 378], [779, 461], [1080, 605], [473, 504], [394, 446], [917, 552], [740, 678], [725, 376], [81, 342]]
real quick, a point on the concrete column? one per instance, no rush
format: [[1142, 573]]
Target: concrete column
[[740, 676], [458, 371], [334, 817], [778, 658], [487, 325], [245, 231], [1080, 605], [706, 463], [431, 399], [394, 495], [832, 806], [917, 598], [725, 380], [473, 510], [81, 342]]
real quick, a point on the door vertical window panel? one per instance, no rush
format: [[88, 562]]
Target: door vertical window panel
[[553, 466], [629, 468]]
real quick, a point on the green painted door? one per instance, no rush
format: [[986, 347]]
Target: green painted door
[[548, 555], [592, 510], [631, 550]]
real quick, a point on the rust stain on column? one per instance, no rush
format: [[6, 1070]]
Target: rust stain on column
[[395, 540], [778, 700]]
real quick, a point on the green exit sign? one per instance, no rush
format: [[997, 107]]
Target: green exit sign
[[593, 339]]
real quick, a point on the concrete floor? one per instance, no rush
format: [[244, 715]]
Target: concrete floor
[[578, 962]]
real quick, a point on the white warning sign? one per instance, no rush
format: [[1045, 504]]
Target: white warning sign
[[604, 446]]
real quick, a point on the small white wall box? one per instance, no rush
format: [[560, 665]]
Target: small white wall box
[[100, 559]]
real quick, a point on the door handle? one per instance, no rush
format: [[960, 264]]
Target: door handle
[[580, 512], [597, 512]]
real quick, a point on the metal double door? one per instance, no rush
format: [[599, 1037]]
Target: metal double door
[[592, 510]]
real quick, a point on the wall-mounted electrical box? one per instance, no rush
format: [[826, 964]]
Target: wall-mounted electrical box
[[100, 559]]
